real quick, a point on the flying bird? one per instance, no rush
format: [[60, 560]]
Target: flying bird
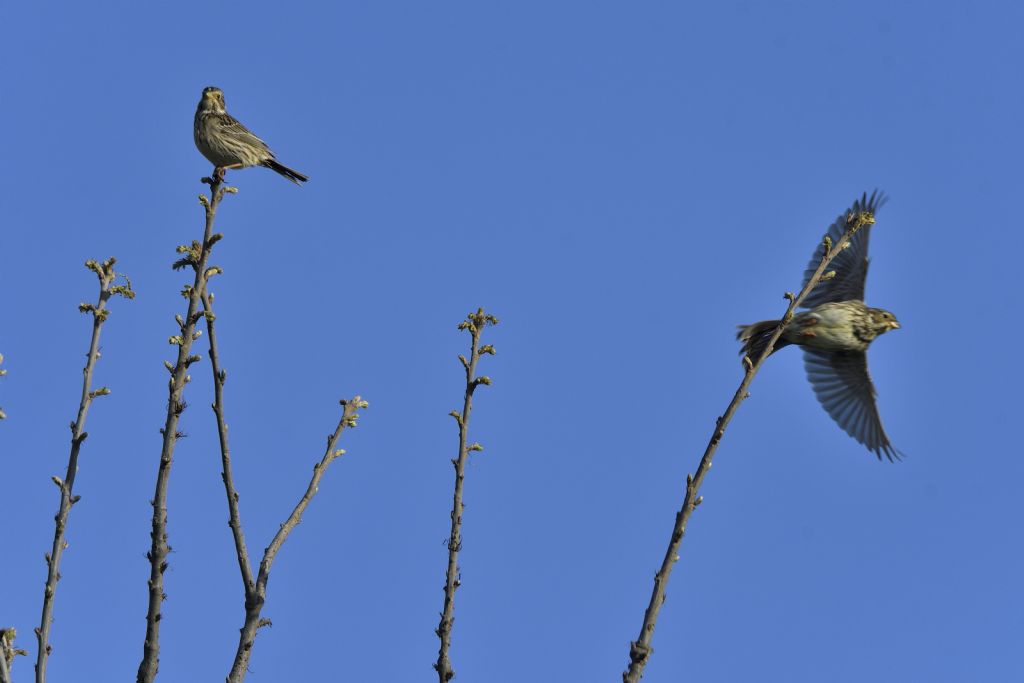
[[835, 335], [228, 144]]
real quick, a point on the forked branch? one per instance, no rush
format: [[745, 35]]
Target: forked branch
[[255, 596], [255, 587], [640, 650]]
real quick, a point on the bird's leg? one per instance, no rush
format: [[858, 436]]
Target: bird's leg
[[218, 173], [230, 167]]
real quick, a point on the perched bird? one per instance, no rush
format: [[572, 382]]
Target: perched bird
[[835, 334], [228, 144]]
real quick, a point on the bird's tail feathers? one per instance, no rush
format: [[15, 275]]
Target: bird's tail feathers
[[288, 173], [755, 338]]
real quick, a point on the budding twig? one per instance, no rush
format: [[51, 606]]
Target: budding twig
[[195, 256], [107, 275], [475, 323]]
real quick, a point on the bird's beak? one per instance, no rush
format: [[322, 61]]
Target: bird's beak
[[895, 325]]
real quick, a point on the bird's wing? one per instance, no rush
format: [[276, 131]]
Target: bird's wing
[[851, 264], [843, 387], [232, 128]]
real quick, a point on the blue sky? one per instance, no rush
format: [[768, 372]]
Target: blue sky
[[621, 184]]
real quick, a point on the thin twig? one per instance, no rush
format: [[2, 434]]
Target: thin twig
[[219, 378], [475, 323], [255, 597], [106, 275], [640, 650], [3, 415], [194, 256]]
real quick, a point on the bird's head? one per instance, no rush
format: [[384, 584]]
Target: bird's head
[[882, 321], [212, 100]]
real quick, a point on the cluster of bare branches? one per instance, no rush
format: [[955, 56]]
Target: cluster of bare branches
[[200, 307]]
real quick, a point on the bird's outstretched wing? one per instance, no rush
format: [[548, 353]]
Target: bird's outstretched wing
[[843, 387], [851, 264], [232, 129]]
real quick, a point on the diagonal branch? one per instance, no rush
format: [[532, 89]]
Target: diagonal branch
[[640, 650], [196, 257], [475, 323], [106, 275], [220, 376], [255, 596]]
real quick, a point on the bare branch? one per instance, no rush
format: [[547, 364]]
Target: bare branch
[[640, 650], [106, 274], [475, 323], [3, 372], [255, 588], [256, 596], [219, 378], [196, 256]]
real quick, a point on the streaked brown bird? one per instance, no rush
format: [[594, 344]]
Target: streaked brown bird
[[835, 335], [228, 144]]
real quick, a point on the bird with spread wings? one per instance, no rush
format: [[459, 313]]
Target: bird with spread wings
[[835, 334]]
